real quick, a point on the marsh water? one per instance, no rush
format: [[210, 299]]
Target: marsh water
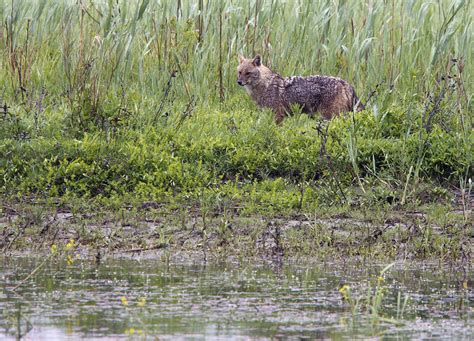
[[153, 299]]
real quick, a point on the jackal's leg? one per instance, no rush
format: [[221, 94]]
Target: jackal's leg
[[279, 115], [330, 112]]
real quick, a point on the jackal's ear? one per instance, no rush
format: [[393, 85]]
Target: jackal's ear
[[241, 59], [257, 60]]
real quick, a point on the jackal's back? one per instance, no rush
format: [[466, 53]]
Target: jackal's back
[[327, 95]]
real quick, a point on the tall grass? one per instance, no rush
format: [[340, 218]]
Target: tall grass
[[81, 66], [103, 49]]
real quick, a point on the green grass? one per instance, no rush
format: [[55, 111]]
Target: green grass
[[90, 109]]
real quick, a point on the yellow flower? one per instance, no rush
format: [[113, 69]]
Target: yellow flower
[[124, 300], [380, 280], [54, 248], [130, 331], [70, 244], [141, 302], [70, 260], [345, 291]]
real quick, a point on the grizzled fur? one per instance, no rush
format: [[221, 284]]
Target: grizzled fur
[[326, 95]]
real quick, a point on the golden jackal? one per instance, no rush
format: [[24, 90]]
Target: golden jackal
[[326, 95]]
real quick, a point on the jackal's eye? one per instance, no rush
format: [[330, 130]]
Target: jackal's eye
[[247, 73]]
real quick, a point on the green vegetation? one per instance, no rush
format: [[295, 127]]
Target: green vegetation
[[111, 104], [373, 300]]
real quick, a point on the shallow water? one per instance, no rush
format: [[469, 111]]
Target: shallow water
[[130, 298]]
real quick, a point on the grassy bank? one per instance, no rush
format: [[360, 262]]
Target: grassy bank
[[105, 104], [240, 156], [200, 233]]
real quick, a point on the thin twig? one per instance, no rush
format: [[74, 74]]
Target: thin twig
[[373, 92], [154, 247], [323, 152], [32, 273], [166, 93]]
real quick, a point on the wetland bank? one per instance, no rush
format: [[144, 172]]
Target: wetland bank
[[133, 167]]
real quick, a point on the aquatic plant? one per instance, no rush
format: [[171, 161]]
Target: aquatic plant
[[371, 305]]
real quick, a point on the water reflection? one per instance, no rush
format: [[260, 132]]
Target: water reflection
[[148, 298]]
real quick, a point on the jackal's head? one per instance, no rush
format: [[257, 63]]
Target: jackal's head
[[248, 71]]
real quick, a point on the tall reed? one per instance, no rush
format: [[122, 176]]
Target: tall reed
[[105, 48]]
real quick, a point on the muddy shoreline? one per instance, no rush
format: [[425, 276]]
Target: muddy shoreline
[[162, 232]]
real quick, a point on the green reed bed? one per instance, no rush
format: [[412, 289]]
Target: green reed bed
[[115, 102]]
